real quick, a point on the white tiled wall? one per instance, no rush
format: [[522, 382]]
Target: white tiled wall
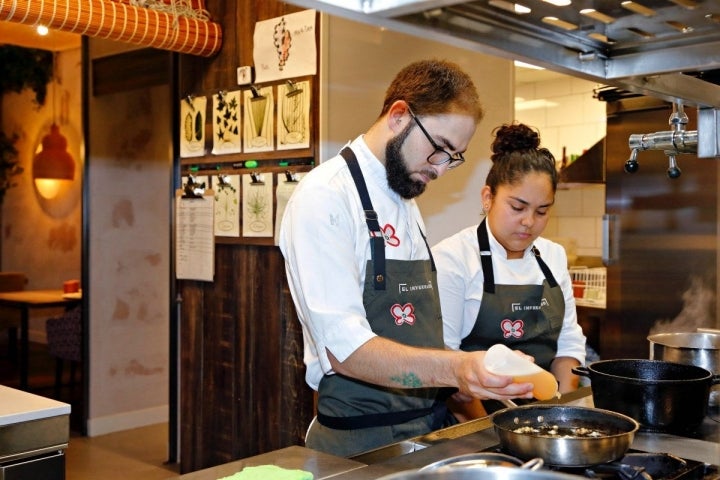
[[567, 115]]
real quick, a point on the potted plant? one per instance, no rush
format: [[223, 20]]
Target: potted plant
[[20, 68], [9, 165]]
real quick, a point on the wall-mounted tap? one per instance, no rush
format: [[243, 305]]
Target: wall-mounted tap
[[673, 142]]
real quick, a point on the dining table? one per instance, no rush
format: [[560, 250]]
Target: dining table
[[27, 300]]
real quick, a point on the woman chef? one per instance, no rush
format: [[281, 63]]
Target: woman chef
[[500, 282]]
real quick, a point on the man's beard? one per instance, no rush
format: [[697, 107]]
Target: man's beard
[[398, 175]]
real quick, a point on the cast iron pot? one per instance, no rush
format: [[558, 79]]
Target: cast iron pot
[[691, 348], [662, 396], [615, 433]]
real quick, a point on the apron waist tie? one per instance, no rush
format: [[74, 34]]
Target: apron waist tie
[[438, 410]]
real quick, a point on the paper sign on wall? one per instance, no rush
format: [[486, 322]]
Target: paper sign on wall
[[284, 47]]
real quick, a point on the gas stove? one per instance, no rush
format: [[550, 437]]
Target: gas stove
[[639, 465], [649, 466]]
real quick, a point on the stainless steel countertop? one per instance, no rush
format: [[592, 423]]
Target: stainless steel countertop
[[320, 464], [467, 437]]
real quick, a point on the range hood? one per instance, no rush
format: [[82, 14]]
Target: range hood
[[587, 168], [662, 48]]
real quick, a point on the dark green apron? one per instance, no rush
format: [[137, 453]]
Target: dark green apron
[[402, 304], [523, 317]]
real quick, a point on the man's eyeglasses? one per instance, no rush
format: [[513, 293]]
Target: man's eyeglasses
[[440, 156]]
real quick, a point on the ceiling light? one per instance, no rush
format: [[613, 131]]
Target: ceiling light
[[559, 3], [637, 8], [689, 4], [510, 7], [595, 15], [560, 23], [600, 37], [41, 30], [520, 64], [521, 104]]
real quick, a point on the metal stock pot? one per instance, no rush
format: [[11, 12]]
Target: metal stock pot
[[691, 348]]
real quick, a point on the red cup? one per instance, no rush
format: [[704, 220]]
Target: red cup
[[71, 286]]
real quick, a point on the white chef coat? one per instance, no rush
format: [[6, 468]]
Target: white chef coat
[[326, 245], [460, 282]]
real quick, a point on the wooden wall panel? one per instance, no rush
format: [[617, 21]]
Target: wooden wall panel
[[242, 388]]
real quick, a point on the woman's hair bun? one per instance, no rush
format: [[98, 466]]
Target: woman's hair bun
[[512, 137]]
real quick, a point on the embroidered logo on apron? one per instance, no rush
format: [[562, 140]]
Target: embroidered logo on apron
[[391, 239], [512, 328], [403, 313]]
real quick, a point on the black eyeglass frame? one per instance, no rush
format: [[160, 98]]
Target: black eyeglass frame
[[454, 160]]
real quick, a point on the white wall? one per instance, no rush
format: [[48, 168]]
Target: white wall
[[129, 199], [359, 61], [567, 115]]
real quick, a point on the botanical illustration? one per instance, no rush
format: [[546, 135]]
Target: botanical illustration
[[293, 115], [226, 123], [192, 126], [258, 120], [257, 207], [227, 205], [286, 183], [282, 41]]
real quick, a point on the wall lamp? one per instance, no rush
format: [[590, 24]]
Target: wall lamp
[[53, 165]]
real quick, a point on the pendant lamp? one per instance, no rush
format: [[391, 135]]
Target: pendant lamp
[[53, 165]]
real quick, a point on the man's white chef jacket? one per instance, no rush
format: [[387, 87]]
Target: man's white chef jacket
[[326, 245]]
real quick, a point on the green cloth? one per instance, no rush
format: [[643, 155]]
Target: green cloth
[[269, 472]]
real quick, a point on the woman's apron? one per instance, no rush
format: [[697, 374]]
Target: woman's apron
[[523, 317], [402, 304]]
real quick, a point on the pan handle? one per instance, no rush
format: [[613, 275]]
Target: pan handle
[[582, 371], [533, 464]]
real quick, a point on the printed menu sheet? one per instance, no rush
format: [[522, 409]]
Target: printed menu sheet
[[195, 239]]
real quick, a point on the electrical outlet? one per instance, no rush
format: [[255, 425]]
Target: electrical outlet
[[244, 75]]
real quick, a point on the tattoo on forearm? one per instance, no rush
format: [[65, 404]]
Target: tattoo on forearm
[[408, 380]]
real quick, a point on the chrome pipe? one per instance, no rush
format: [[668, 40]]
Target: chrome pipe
[[680, 141]]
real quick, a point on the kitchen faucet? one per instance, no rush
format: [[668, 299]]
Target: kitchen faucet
[[673, 142]]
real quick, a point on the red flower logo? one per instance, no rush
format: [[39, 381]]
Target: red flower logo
[[390, 237], [403, 313], [512, 328]]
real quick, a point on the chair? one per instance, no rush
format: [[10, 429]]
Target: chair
[[64, 340], [9, 319]]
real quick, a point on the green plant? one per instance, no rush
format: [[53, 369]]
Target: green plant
[[9, 163], [22, 68]]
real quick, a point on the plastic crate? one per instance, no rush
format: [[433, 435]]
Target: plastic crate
[[589, 286]]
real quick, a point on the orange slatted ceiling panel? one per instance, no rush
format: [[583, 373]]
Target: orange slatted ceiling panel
[[116, 20]]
